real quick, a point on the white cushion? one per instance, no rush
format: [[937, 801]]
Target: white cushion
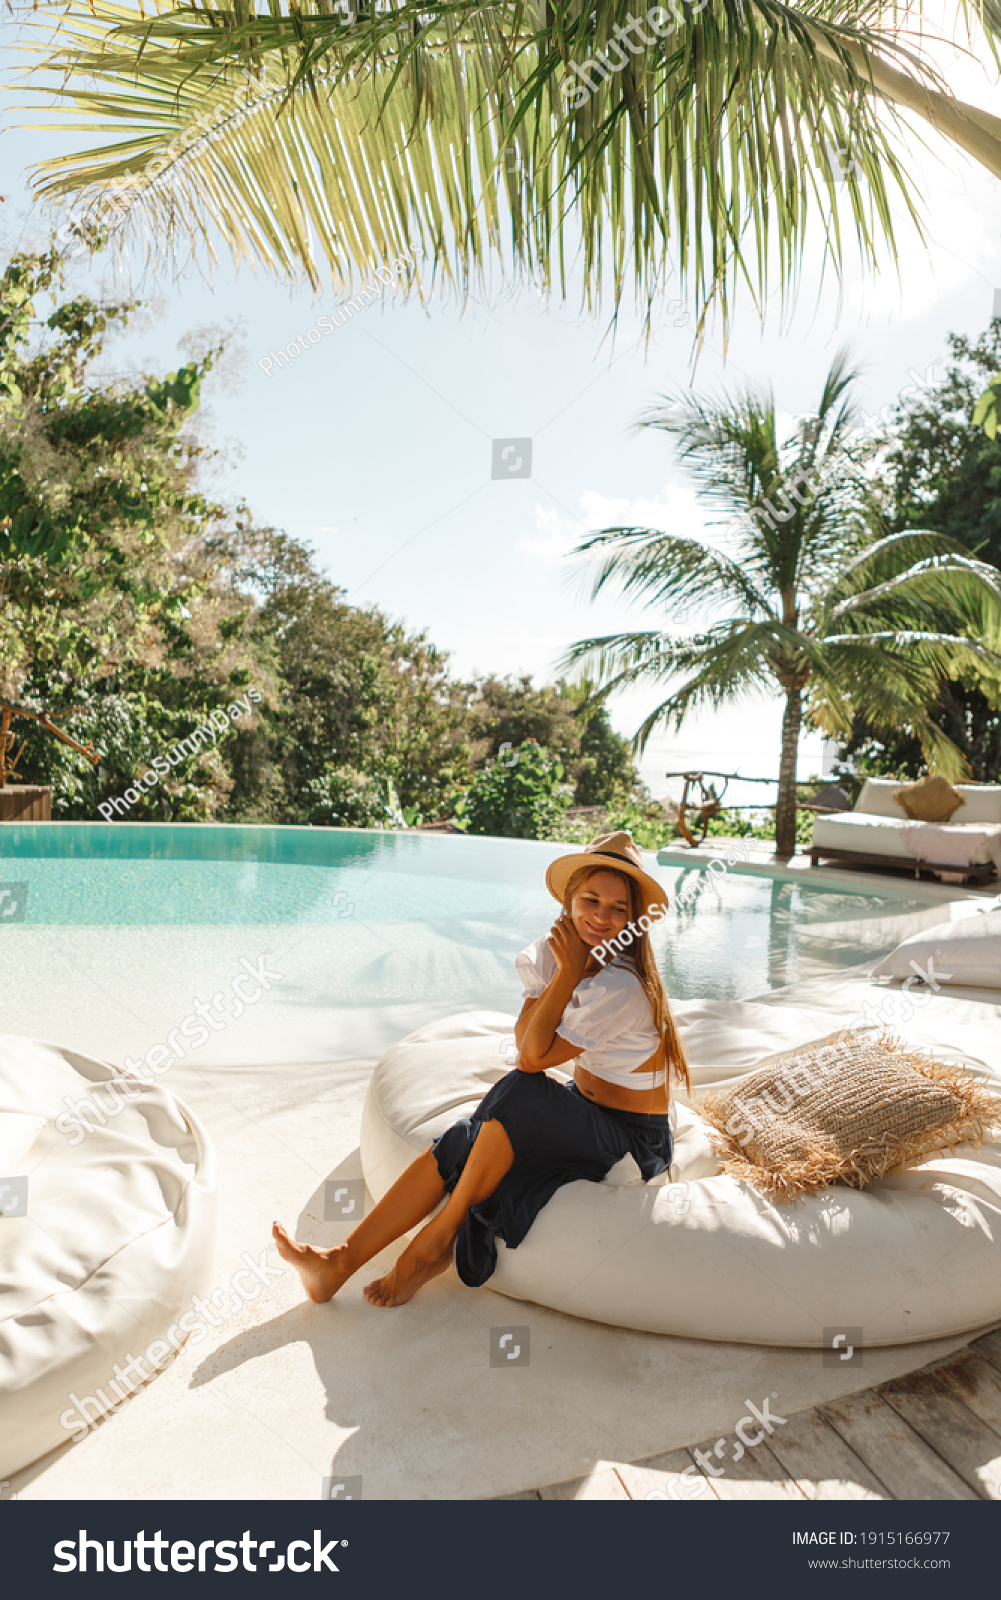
[[916, 1256], [119, 1234], [876, 799], [981, 801], [869, 834], [18, 1132], [966, 952]]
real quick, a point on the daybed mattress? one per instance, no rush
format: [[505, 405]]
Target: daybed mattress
[[118, 1234], [698, 1255], [866, 834]]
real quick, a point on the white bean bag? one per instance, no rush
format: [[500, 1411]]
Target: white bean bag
[[118, 1233], [698, 1255], [965, 951]]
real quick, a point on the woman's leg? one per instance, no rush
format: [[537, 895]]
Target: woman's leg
[[430, 1253], [410, 1199]]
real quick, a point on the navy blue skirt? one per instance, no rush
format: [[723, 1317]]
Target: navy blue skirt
[[558, 1135]]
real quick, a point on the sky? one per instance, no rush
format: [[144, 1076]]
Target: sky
[[375, 446]]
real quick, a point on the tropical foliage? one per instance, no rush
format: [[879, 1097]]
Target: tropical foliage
[[707, 141], [566, 719], [370, 730], [116, 613], [805, 593], [520, 795], [939, 471], [133, 607]]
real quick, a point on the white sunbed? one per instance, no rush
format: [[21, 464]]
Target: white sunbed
[[874, 833]]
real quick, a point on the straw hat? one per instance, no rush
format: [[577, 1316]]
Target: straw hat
[[615, 852]]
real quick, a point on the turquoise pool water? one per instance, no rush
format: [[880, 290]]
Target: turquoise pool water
[[393, 916]]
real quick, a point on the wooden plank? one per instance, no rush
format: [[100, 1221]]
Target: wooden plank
[[970, 1447], [661, 1475], [25, 802], [822, 1464], [989, 1346], [976, 1382], [602, 1484], [981, 872], [896, 1455], [756, 1476]]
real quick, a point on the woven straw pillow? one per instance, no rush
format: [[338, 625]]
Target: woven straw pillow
[[929, 800], [846, 1112]]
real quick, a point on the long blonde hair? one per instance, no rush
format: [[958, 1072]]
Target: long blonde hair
[[640, 957]]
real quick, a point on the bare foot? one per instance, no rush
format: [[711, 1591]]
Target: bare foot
[[322, 1271], [416, 1267]]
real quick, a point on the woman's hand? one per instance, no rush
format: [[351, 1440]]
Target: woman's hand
[[569, 949]]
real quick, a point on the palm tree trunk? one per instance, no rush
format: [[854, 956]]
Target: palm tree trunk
[[785, 808]]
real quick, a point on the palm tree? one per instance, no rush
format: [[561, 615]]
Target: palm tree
[[805, 597], [538, 136]]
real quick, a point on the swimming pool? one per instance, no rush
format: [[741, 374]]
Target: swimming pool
[[117, 929]]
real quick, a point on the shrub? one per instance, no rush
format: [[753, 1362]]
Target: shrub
[[519, 796]]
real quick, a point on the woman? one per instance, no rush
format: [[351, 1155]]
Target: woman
[[607, 1013]]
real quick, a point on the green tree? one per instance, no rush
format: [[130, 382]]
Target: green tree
[[568, 720], [520, 795], [116, 603], [939, 470], [810, 600], [369, 730]]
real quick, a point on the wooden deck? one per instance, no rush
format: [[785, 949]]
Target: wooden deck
[[934, 1434]]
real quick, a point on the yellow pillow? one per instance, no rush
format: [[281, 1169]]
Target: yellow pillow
[[929, 800], [845, 1112]]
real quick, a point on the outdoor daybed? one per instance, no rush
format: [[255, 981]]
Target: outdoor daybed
[[104, 1239], [699, 1255], [879, 833]]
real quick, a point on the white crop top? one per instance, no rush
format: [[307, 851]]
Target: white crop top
[[608, 1018]]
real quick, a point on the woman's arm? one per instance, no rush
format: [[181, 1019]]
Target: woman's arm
[[535, 1031]]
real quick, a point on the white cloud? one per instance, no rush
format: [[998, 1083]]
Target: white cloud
[[675, 510], [555, 537]]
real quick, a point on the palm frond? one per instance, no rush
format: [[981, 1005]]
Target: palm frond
[[950, 581], [664, 568], [711, 150], [888, 556]]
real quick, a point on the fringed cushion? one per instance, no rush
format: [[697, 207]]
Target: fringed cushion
[[846, 1112], [929, 800]]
